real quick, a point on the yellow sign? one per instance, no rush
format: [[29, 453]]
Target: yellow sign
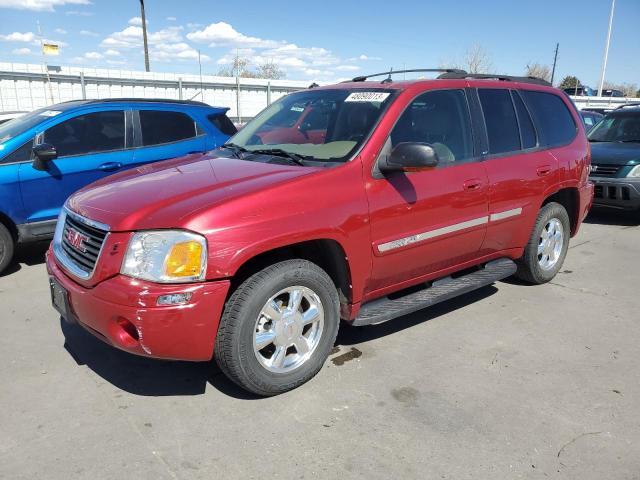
[[50, 49]]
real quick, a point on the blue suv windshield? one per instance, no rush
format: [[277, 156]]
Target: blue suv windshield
[[15, 127]]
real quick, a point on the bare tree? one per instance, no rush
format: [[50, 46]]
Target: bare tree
[[538, 70], [241, 67], [477, 60], [271, 71], [628, 89]]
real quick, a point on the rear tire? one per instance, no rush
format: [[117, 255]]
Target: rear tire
[[278, 327], [7, 247], [547, 248]]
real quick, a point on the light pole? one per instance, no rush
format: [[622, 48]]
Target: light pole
[[144, 36], [606, 48]]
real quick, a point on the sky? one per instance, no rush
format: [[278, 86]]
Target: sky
[[327, 40]]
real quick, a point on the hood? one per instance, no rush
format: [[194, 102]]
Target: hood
[[615, 153], [164, 194]]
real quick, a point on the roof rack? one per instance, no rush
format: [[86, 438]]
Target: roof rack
[[632, 104], [493, 76], [363, 78], [148, 100]]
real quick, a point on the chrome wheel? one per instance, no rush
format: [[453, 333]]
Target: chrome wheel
[[288, 329], [550, 244]]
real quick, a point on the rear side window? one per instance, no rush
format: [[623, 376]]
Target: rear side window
[[527, 130], [222, 123], [20, 154], [553, 119], [160, 127], [441, 119], [500, 119], [91, 133]]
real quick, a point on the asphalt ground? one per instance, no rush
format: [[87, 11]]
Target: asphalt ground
[[511, 381]]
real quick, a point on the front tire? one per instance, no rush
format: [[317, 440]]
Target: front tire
[[7, 247], [278, 327], [547, 248]]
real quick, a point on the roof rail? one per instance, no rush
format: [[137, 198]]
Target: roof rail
[[632, 104], [149, 100], [362, 78], [493, 76]]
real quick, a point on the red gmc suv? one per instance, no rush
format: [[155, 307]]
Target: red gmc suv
[[361, 201]]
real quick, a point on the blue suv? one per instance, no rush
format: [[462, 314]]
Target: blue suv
[[50, 153]]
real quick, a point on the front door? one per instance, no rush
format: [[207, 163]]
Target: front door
[[90, 146], [426, 221]]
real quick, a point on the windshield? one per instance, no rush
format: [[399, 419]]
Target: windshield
[[617, 128], [324, 125], [14, 127]]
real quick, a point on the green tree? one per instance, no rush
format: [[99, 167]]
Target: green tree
[[570, 81]]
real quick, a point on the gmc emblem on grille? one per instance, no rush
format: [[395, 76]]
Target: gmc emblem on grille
[[594, 168], [76, 240]]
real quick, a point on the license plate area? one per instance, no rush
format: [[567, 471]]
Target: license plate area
[[59, 298]]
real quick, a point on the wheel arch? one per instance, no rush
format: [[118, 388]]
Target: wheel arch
[[11, 226], [327, 253], [569, 198]]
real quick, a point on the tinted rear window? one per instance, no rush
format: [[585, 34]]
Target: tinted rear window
[[554, 122], [222, 123], [165, 127], [500, 119], [527, 130]]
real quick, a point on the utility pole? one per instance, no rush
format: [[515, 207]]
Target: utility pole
[[144, 36], [606, 48], [555, 60]]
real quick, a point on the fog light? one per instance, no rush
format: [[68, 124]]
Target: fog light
[[175, 298]]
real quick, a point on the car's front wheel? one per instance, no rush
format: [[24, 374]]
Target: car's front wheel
[[278, 327], [6, 247]]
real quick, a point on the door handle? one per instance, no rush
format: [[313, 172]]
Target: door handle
[[543, 170], [473, 184], [110, 166]]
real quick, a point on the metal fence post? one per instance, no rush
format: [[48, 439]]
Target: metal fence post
[[180, 88], [268, 93], [83, 86]]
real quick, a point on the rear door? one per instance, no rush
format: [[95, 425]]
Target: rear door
[[520, 169], [90, 146], [163, 134], [429, 220]]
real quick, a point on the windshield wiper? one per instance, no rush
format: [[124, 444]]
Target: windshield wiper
[[278, 152], [236, 149], [636, 140]]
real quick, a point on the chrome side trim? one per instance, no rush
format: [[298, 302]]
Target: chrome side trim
[[506, 214], [402, 242], [65, 262]]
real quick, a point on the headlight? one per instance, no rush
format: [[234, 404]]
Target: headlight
[[166, 256], [634, 173]]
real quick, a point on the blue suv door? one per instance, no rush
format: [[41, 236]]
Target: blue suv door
[[163, 134], [90, 145]]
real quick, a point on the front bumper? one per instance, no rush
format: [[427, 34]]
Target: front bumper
[[623, 193], [108, 310]]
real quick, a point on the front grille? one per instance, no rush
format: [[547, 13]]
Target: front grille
[[604, 170], [92, 240]]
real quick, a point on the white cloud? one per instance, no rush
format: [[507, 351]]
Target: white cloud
[[19, 37], [347, 68], [79, 13], [40, 5], [22, 51], [222, 34], [367, 57], [93, 56], [88, 33], [112, 53], [61, 31], [136, 21], [171, 19]]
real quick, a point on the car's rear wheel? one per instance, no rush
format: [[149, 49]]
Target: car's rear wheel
[[6, 247], [278, 327], [547, 248]]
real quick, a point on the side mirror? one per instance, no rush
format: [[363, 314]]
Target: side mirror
[[43, 153], [409, 156]]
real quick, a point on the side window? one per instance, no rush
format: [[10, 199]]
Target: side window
[[20, 154], [440, 118], [165, 127], [527, 130], [222, 123], [500, 119], [90, 133], [553, 119]]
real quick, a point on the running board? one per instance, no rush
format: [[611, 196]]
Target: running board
[[384, 309]]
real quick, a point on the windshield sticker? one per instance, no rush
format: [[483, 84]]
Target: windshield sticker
[[376, 97], [297, 109], [50, 113]]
